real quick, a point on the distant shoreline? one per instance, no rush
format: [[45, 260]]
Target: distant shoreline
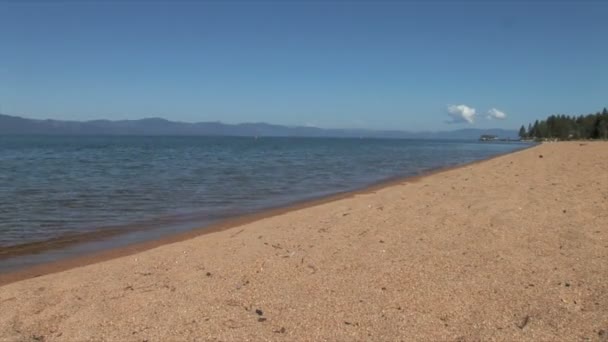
[[14, 125]]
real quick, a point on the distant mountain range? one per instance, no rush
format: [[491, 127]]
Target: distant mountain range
[[14, 125]]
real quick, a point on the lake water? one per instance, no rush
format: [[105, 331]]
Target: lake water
[[72, 185]]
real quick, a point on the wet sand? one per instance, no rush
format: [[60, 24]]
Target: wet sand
[[513, 248]]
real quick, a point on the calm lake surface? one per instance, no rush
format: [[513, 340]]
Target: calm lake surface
[[56, 186]]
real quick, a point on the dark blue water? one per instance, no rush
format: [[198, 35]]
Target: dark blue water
[[56, 186]]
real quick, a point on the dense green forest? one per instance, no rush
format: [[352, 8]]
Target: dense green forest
[[564, 127]]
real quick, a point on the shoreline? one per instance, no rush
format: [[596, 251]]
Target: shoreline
[[79, 260], [514, 248]]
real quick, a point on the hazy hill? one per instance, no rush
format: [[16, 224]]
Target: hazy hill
[[14, 125]]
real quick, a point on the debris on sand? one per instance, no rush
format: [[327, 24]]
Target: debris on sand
[[524, 322]]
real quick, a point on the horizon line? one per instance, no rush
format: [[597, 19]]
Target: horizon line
[[261, 123]]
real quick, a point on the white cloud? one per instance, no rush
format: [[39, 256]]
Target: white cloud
[[496, 114], [461, 114]]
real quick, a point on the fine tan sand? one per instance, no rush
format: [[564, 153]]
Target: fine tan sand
[[514, 248]]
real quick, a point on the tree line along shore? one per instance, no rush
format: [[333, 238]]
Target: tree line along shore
[[566, 127]]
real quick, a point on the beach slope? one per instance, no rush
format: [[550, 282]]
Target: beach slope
[[513, 248]]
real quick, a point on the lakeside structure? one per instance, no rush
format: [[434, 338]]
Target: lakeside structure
[[487, 137], [512, 248]]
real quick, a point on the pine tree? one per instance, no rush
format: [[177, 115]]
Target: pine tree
[[522, 132], [536, 130]]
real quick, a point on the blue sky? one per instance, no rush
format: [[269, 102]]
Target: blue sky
[[397, 65]]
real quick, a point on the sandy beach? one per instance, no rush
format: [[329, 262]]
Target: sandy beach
[[514, 248]]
